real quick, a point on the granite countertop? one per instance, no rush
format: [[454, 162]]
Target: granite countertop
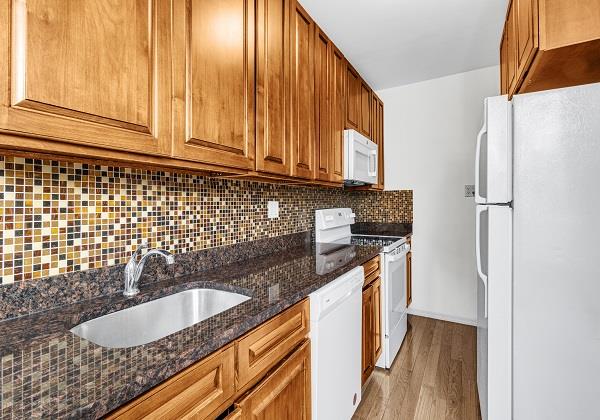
[[382, 229], [49, 372]]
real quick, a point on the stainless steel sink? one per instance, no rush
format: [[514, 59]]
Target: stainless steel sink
[[153, 320]]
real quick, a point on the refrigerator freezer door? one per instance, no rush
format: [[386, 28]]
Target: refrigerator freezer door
[[557, 254], [493, 157], [494, 309]]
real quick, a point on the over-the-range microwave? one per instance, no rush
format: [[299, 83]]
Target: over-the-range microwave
[[360, 159]]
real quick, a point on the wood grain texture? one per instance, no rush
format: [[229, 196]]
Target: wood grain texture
[[365, 109], [337, 113], [433, 376], [323, 109], [353, 98], [303, 93], [264, 346], [285, 393], [109, 83], [570, 22], [273, 86], [214, 81], [368, 363]]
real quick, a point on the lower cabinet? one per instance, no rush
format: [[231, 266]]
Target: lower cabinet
[[194, 393], [409, 275], [264, 374], [283, 394], [371, 318]]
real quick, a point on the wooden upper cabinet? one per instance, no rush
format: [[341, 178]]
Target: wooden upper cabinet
[[285, 393], [337, 74], [303, 93], [511, 52], [323, 110], [549, 44], [213, 64], [353, 98], [273, 86], [365, 109], [95, 73], [377, 121]]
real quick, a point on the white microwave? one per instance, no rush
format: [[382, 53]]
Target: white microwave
[[360, 159]]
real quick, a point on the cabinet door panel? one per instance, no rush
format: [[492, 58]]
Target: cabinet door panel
[[285, 393], [353, 98], [273, 86], [214, 67], [511, 50], [95, 73], [365, 109], [323, 109], [367, 333], [377, 327], [303, 94], [527, 33], [504, 65], [380, 142], [337, 113]]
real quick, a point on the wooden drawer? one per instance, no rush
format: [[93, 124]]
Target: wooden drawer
[[194, 393], [285, 393], [266, 345], [372, 270]]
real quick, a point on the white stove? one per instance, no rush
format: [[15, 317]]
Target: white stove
[[332, 231]]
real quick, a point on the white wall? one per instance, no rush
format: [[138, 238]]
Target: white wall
[[430, 132]]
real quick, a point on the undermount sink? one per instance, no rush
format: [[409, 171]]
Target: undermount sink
[[156, 319]]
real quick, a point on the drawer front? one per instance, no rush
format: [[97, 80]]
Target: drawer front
[[265, 346], [372, 270], [194, 393]]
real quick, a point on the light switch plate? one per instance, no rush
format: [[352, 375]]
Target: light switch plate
[[273, 209], [469, 190]]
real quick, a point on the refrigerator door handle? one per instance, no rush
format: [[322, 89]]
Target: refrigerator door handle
[[478, 198], [482, 276]]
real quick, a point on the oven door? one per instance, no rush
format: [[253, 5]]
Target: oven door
[[395, 321]]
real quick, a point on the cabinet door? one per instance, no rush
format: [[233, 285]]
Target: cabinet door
[[95, 73], [511, 50], [303, 93], [273, 86], [213, 63], [527, 33], [408, 279], [323, 108], [365, 109], [504, 64], [283, 394], [377, 327], [337, 113], [353, 98], [381, 143], [367, 333]]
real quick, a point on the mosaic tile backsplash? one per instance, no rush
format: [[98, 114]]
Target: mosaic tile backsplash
[[61, 217]]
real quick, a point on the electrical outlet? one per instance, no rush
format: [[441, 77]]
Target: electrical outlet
[[469, 190], [273, 209]]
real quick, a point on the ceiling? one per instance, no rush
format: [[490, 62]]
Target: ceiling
[[397, 42]]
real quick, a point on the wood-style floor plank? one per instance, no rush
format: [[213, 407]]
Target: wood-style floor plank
[[433, 376]]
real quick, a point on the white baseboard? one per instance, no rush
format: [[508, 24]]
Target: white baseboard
[[443, 317]]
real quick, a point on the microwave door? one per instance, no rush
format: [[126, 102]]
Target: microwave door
[[365, 163]]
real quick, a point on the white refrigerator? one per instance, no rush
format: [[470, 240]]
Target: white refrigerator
[[537, 191]]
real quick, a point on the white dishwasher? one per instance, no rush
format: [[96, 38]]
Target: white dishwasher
[[335, 333]]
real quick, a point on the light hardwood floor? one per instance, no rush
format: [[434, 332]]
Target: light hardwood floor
[[433, 376]]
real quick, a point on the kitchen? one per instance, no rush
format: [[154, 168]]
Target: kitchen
[[210, 209]]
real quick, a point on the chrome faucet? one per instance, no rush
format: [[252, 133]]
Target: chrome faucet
[[134, 268]]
